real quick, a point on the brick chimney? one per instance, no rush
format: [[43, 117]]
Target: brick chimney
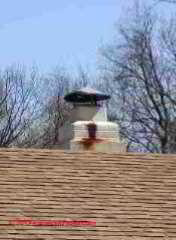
[[88, 128]]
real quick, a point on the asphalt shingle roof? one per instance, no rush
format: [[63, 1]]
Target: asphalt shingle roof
[[130, 196]]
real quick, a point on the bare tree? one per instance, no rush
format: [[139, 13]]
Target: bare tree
[[140, 74], [17, 104]]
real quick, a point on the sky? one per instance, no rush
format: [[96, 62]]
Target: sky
[[47, 33]]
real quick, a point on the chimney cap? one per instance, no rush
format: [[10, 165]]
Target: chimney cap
[[86, 95]]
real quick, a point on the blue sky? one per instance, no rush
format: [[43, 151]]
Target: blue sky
[[51, 32]]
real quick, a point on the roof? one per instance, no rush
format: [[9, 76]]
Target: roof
[[86, 94], [130, 196]]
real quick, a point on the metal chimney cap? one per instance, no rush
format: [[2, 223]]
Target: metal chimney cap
[[85, 95]]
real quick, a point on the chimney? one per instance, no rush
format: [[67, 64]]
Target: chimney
[[88, 128]]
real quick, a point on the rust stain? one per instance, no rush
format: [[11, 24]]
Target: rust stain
[[89, 142]]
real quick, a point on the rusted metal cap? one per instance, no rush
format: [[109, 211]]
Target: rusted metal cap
[[86, 95]]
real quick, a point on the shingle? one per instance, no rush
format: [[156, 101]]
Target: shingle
[[130, 196]]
